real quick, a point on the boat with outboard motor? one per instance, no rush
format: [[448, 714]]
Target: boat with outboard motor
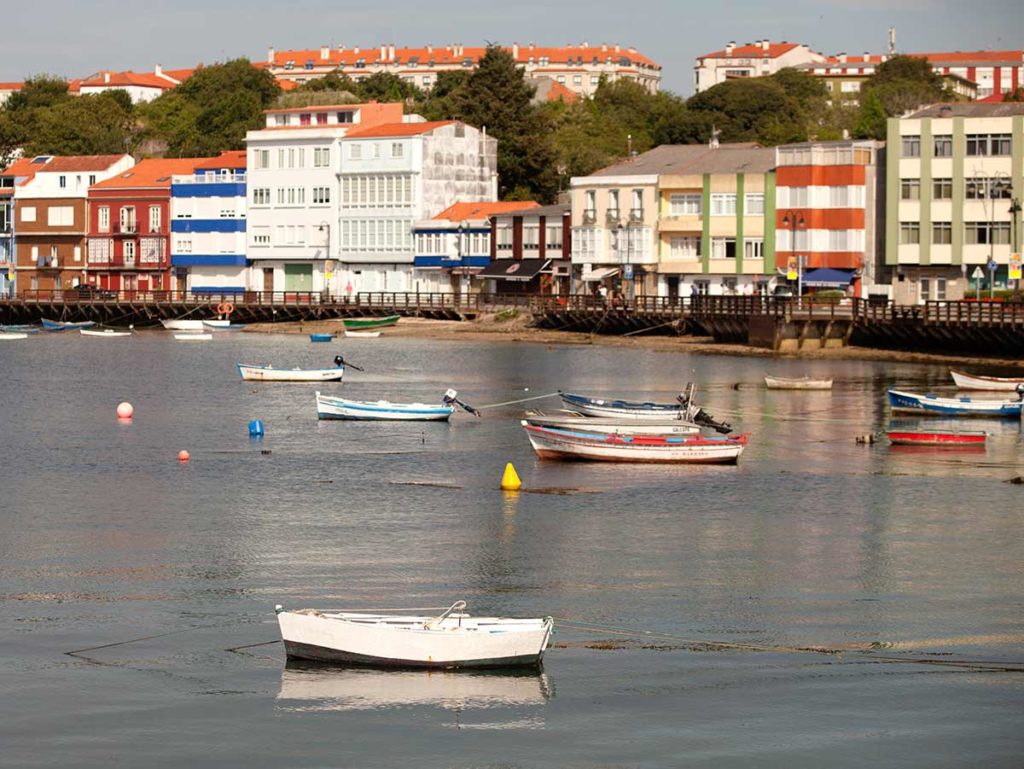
[[254, 373], [684, 409], [565, 419], [934, 405], [581, 444]]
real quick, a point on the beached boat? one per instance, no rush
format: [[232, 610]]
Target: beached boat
[[575, 420], [685, 408], [223, 325], [8, 336], [19, 328], [965, 381], [321, 337], [362, 334], [364, 323], [328, 407], [551, 443], [452, 639], [270, 374], [181, 324], [106, 333], [60, 325], [900, 401], [192, 336], [937, 438], [801, 383]]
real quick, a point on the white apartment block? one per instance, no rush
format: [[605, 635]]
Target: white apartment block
[[578, 67], [750, 60]]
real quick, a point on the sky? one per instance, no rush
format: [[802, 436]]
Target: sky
[[76, 38]]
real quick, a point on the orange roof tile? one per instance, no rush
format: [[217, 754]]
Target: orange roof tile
[[150, 173], [104, 79], [288, 85], [81, 163], [226, 159], [181, 75], [460, 211], [397, 129], [558, 92], [11, 86], [752, 51]]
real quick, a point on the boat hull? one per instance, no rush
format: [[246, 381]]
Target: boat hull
[[597, 447], [12, 335], [193, 336], [270, 374], [362, 334], [104, 334], [595, 407], [182, 325], [931, 405], [666, 426], [782, 383], [341, 408], [367, 323], [499, 644], [965, 381], [222, 325], [58, 325], [939, 439]]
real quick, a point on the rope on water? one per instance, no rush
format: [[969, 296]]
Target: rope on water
[[521, 400]]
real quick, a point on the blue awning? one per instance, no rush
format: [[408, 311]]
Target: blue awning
[[826, 277]]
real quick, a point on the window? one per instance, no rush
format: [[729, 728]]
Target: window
[[976, 233], [723, 248], [261, 196], [942, 189], [940, 289], [321, 157], [397, 149], [355, 151], [346, 117], [943, 146], [981, 188], [849, 86], [127, 219], [577, 79], [60, 216], [590, 208], [321, 195], [103, 218], [553, 236], [504, 237], [305, 118], [92, 179], [723, 204], [911, 147], [684, 204], [942, 233], [28, 214], [683, 247], [637, 209], [62, 182], [227, 213], [154, 218], [988, 144], [321, 118], [129, 251], [531, 237], [910, 233], [613, 203], [183, 246], [753, 203], [794, 197], [925, 287], [910, 189], [753, 248], [595, 81], [261, 159]]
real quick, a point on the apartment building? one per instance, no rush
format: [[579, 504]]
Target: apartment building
[[140, 86], [293, 193], [17, 173], [208, 226], [393, 175], [578, 68], [750, 60], [954, 173], [452, 248], [829, 205], [531, 251], [52, 219]]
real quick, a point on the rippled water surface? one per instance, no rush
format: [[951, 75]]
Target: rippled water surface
[[811, 541]]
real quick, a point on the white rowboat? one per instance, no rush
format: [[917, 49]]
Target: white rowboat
[[802, 383], [622, 425], [342, 408], [451, 640], [550, 443], [192, 336], [362, 334], [270, 374], [182, 325], [966, 381], [10, 336], [107, 333]]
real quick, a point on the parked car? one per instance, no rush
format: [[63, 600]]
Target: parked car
[[783, 292], [87, 291]]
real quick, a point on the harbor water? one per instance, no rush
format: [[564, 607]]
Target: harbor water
[[822, 603]]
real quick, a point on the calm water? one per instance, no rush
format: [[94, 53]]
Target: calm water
[[812, 540]]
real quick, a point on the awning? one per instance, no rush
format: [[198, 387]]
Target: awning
[[514, 269], [826, 277], [601, 273]]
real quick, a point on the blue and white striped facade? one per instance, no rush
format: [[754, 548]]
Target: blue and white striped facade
[[208, 231]]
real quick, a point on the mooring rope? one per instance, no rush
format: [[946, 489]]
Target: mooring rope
[[521, 400]]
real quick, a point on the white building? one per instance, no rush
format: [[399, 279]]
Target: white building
[[750, 60], [395, 175]]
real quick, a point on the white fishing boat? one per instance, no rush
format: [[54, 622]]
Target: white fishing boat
[[624, 425], [192, 336], [685, 408], [965, 381], [7, 336], [800, 383], [362, 334], [270, 374], [328, 407], [181, 324], [223, 325], [452, 639], [106, 333], [551, 443]]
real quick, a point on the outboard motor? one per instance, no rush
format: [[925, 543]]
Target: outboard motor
[[451, 396], [342, 363], [1020, 391]]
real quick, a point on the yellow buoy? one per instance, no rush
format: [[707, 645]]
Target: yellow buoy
[[510, 479]]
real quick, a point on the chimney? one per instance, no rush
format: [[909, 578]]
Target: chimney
[[325, 52], [765, 44], [604, 47], [356, 49], [515, 51], [391, 52], [728, 48], [158, 71], [842, 58], [430, 49], [383, 52], [270, 56], [106, 77], [616, 48]]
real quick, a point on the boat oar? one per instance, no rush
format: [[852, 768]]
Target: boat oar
[[339, 361]]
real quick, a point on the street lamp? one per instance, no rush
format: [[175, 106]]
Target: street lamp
[[794, 223], [1014, 232], [458, 252], [325, 231]]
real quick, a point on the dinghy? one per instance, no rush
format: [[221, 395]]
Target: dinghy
[[181, 324], [106, 333], [192, 336], [223, 325], [362, 334], [937, 438], [328, 407], [685, 409], [965, 381], [253, 373], [452, 639], [801, 383], [900, 401], [321, 337], [8, 336], [552, 443], [623, 425], [363, 323], [60, 325]]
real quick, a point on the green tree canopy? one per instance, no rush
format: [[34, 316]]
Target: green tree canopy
[[752, 109], [904, 83]]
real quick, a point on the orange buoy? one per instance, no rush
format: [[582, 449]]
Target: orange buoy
[[125, 410], [184, 456]]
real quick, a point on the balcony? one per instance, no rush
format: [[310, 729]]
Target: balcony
[[636, 215], [589, 216], [47, 263], [612, 216], [126, 228]]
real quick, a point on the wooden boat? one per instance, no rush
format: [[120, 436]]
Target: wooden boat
[[900, 401], [965, 381], [19, 328], [570, 420], [192, 336], [328, 407], [270, 374], [801, 383], [452, 639], [182, 324], [321, 337], [223, 325], [106, 333], [551, 443], [362, 334], [684, 409], [8, 336], [364, 323], [60, 325], [938, 438]]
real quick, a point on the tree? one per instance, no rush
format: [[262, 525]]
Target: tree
[[755, 109], [872, 122], [39, 91], [332, 81], [386, 87], [95, 124], [904, 83]]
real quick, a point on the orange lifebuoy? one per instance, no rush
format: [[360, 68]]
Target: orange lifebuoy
[[225, 308]]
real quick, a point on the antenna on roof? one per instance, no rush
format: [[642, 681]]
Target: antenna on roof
[[892, 41]]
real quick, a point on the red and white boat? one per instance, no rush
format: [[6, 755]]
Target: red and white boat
[[965, 381], [556, 443], [940, 438]]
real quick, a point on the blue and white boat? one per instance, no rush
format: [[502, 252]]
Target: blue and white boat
[[60, 325], [321, 337], [254, 373], [328, 407], [684, 409], [928, 404]]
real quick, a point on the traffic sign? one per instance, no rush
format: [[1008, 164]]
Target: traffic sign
[[992, 265], [977, 274], [627, 271]]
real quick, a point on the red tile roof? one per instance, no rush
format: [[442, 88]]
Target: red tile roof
[[149, 173], [397, 129], [105, 79], [227, 159], [288, 85], [558, 92], [24, 168], [460, 211], [11, 86], [81, 163], [948, 58], [181, 75], [752, 51]]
